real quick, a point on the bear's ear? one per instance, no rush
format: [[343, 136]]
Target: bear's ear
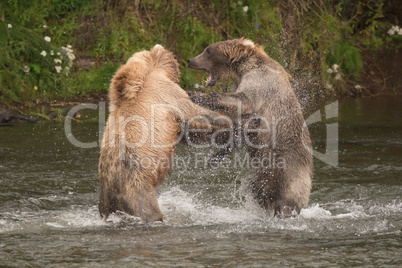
[[157, 46], [127, 82], [162, 58], [118, 87], [246, 43], [238, 49], [119, 82]]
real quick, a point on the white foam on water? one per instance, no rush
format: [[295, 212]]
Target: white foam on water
[[80, 217], [358, 219], [44, 219], [182, 208], [54, 224], [355, 211], [179, 206], [315, 212], [393, 207], [6, 226]]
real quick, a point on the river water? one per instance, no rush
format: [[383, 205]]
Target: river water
[[49, 194]]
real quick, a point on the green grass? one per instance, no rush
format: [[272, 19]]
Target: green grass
[[109, 32]]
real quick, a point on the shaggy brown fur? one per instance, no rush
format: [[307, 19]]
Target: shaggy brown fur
[[263, 90], [147, 111]]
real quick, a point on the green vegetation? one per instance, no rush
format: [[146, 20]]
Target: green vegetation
[[54, 49]]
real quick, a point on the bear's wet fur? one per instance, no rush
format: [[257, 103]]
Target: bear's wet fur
[[147, 113], [262, 90]]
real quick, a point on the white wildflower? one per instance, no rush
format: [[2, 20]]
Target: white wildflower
[[69, 52], [338, 77], [43, 53], [330, 71], [335, 67], [394, 29], [51, 52], [44, 26], [400, 31], [58, 68], [67, 70], [58, 53], [47, 39], [358, 87], [57, 61], [71, 56], [26, 69], [245, 9], [67, 49], [328, 85], [9, 26]]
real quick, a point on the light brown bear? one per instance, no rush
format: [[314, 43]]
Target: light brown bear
[[147, 112], [262, 91]]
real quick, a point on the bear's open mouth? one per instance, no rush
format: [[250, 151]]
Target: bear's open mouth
[[210, 79]]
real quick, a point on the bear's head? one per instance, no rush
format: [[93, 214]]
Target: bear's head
[[221, 59], [163, 59], [158, 58], [128, 80]]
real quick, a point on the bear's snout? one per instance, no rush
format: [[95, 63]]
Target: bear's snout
[[193, 63]]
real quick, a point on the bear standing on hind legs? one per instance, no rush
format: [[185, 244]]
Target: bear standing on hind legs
[[147, 113], [262, 92]]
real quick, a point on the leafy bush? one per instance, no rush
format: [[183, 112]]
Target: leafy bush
[[347, 57], [30, 65], [328, 34]]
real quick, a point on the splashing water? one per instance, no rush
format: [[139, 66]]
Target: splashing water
[[49, 215]]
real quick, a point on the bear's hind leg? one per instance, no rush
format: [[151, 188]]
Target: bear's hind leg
[[295, 193], [278, 194], [105, 205], [286, 208], [144, 204], [264, 191]]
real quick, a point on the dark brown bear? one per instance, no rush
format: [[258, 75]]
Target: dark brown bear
[[147, 113], [263, 92]]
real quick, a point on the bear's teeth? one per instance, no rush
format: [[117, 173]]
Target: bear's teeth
[[209, 79]]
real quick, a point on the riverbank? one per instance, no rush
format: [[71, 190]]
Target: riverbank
[[380, 77], [56, 110], [53, 110]]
